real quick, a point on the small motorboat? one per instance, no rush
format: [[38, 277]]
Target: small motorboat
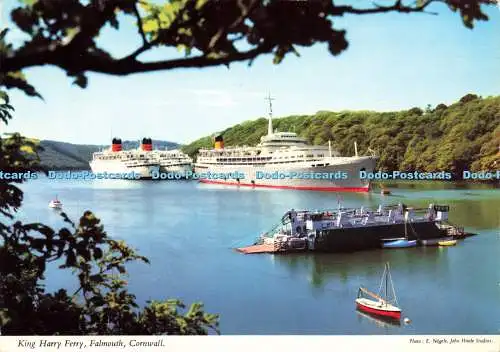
[[434, 241], [383, 190], [447, 243], [55, 204], [376, 305]]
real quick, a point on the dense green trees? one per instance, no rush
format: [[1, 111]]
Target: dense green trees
[[463, 136]]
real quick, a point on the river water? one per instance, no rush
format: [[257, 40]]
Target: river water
[[188, 231]]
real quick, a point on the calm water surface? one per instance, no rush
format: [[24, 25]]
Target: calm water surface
[[187, 230]]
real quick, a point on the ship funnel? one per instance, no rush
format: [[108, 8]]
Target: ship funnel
[[116, 145], [147, 144], [219, 142]]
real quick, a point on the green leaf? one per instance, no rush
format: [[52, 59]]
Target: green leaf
[[28, 2], [81, 81], [5, 97], [114, 22], [18, 80], [97, 253], [3, 33]]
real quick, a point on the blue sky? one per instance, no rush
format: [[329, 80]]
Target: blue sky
[[394, 61]]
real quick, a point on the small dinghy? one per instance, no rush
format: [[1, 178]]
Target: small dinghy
[[399, 243], [55, 204], [403, 242], [376, 305], [434, 241], [447, 243]]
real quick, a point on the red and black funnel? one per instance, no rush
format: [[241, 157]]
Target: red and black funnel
[[147, 144], [116, 145]]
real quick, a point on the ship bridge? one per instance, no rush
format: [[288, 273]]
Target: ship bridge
[[282, 139]]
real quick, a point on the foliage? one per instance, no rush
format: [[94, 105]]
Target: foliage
[[463, 136], [101, 304], [63, 33]]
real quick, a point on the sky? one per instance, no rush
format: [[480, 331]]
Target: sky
[[394, 62]]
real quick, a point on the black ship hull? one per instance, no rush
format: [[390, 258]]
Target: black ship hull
[[350, 239]]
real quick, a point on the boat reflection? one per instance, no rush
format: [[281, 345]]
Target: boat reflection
[[119, 184], [379, 321], [349, 268]]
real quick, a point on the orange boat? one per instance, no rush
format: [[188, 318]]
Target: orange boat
[[376, 305]]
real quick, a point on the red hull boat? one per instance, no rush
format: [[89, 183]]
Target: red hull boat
[[376, 305]]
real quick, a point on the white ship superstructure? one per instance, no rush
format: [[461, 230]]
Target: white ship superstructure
[[174, 161], [285, 160], [116, 160]]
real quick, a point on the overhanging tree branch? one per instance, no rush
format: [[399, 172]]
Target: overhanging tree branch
[[397, 6], [129, 66], [210, 27]]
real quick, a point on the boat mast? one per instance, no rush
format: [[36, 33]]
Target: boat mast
[[270, 125], [406, 230], [393, 289], [386, 280], [380, 293]]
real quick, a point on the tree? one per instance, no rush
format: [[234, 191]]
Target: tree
[[416, 111], [468, 97], [101, 304], [208, 33], [441, 106]]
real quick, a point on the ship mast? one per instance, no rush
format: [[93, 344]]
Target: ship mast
[[270, 126]]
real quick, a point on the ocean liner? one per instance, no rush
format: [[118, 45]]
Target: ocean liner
[[285, 160], [174, 161], [116, 160], [351, 229]]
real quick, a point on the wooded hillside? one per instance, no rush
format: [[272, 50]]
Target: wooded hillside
[[68, 156], [462, 136]]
